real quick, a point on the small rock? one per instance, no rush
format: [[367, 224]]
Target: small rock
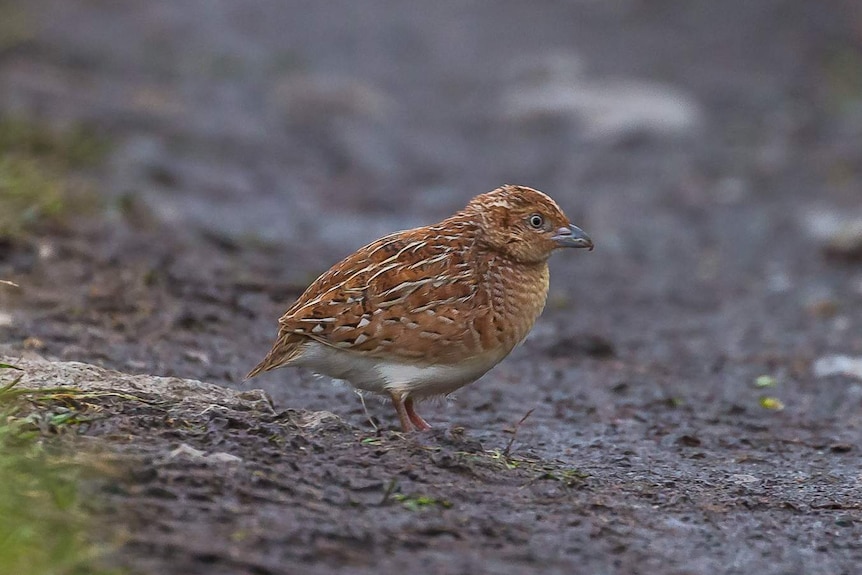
[[188, 451], [846, 242], [46, 251], [185, 450], [840, 235], [743, 478], [222, 457], [838, 365], [197, 356]]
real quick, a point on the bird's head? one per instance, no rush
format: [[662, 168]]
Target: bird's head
[[524, 224]]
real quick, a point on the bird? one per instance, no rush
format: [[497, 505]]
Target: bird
[[423, 312]]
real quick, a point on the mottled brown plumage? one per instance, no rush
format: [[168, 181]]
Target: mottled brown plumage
[[423, 312]]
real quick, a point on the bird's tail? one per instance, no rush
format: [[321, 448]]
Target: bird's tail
[[287, 348]]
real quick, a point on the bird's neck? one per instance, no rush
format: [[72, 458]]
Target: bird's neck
[[518, 294]]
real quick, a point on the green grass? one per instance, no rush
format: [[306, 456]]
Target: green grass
[[36, 169], [29, 195], [420, 502], [45, 526], [72, 148]]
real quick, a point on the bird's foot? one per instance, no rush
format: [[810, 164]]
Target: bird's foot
[[415, 418]]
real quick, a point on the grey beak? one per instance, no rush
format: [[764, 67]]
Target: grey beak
[[572, 237]]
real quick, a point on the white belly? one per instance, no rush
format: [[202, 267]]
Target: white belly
[[380, 376]]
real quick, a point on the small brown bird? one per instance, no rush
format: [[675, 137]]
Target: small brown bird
[[423, 312]]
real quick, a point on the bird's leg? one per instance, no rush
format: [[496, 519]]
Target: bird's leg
[[417, 420], [403, 413]]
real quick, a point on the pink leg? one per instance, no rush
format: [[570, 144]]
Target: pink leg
[[403, 412], [417, 420]]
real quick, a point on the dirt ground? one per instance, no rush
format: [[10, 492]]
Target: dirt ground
[[704, 146]]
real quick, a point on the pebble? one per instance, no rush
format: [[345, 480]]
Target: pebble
[[838, 365]]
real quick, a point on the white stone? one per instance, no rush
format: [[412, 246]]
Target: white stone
[[838, 365]]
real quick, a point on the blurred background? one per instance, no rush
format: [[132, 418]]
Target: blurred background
[[175, 173]]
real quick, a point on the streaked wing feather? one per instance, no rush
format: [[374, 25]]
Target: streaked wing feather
[[414, 294]]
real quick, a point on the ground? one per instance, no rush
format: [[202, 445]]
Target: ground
[[669, 414]]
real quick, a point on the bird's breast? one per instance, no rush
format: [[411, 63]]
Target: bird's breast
[[517, 296]]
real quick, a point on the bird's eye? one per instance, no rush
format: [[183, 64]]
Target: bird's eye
[[536, 221]]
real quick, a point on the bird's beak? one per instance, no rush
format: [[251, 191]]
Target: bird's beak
[[572, 237]]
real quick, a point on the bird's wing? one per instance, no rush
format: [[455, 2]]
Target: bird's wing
[[413, 295]]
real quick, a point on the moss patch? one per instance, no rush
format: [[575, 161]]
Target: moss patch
[[45, 527], [38, 168], [72, 148]]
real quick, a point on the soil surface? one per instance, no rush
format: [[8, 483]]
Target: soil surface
[[705, 146]]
